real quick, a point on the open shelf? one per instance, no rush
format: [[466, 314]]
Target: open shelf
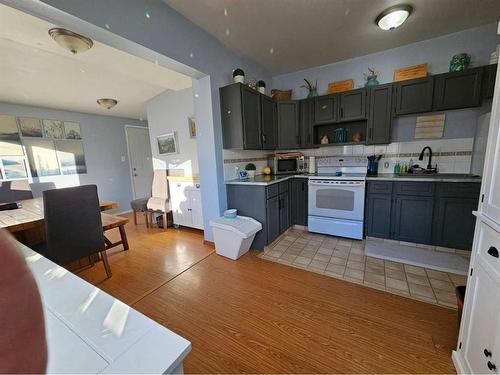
[[340, 144], [319, 131]]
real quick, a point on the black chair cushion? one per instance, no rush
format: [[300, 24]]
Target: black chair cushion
[[140, 204]]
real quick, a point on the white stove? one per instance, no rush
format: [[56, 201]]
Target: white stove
[[337, 197]]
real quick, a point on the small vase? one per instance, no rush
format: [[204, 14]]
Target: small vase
[[371, 81]]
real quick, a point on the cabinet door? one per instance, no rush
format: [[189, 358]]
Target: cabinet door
[[231, 116], [412, 218], [298, 201], [325, 109], [284, 212], [179, 192], [251, 119], [196, 208], [306, 114], [488, 85], [380, 115], [454, 222], [273, 218], [288, 125], [378, 215], [491, 180], [482, 300], [414, 96], [352, 105], [458, 89], [268, 123]]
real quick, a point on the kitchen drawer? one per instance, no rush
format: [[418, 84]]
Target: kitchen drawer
[[458, 189], [272, 190], [425, 189], [488, 247], [283, 187], [380, 187]]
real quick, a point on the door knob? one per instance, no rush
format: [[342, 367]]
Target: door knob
[[493, 252], [491, 366], [135, 174], [487, 353]]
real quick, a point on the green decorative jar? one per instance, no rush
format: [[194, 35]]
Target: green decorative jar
[[459, 62], [371, 81]]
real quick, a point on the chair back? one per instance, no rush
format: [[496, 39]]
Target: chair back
[[73, 226], [11, 191], [159, 189]]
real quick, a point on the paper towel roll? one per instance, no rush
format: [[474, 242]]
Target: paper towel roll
[[312, 164]]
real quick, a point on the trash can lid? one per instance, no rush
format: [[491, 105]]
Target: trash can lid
[[242, 225]]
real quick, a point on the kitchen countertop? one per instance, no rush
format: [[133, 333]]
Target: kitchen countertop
[[438, 177], [265, 180]]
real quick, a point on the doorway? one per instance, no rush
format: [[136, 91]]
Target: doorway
[[139, 156]]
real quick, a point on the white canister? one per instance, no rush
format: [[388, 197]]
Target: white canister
[[312, 164]]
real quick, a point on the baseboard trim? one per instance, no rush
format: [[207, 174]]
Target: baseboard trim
[[209, 243]]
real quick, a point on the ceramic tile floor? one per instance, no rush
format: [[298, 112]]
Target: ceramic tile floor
[[345, 259]]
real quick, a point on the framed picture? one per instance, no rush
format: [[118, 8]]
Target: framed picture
[[30, 127], [10, 141], [71, 157], [72, 130], [167, 144], [53, 129], [14, 167], [42, 158], [192, 127]]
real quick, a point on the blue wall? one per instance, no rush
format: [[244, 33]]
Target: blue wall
[[104, 144]]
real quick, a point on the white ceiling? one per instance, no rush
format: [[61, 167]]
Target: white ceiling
[[307, 33], [37, 71]]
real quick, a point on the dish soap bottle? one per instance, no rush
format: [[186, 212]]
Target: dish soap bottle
[[397, 168]]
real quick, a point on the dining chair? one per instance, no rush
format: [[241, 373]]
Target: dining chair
[[11, 191], [73, 225], [160, 199]]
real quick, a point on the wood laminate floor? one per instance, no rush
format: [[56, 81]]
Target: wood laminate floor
[[255, 316]]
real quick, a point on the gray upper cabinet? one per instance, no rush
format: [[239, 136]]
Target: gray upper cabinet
[[325, 110], [241, 117], [269, 132], [488, 84], [352, 105], [413, 96], [458, 89], [380, 115], [306, 112], [288, 125]]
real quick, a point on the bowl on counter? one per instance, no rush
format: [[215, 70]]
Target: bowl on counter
[[231, 213]]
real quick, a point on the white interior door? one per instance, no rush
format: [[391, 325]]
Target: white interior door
[[141, 165]]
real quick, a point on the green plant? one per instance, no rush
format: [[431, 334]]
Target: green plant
[[250, 167], [313, 90]]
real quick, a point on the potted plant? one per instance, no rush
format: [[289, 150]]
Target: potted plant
[[251, 168]]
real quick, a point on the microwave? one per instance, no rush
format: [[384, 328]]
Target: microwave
[[283, 164]]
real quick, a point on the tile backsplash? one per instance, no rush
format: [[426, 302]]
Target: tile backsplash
[[450, 155]]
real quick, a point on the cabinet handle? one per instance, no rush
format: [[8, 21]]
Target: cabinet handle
[[228, 111], [309, 138], [493, 252], [324, 106], [263, 138], [197, 186], [297, 139], [341, 112], [487, 353], [491, 366], [190, 209]]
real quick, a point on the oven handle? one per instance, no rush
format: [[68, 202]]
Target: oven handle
[[360, 184]]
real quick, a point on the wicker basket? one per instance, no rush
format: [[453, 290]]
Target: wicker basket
[[281, 95]]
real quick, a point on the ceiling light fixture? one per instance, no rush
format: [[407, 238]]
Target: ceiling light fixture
[[73, 42], [393, 17], [107, 103]]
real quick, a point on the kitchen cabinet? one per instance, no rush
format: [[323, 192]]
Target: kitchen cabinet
[[378, 215], [288, 125], [379, 115], [413, 96], [299, 201], [488, 84], [269, 133], [185, 199], [284, 212], [412, 218], [240, 117], [306, 115], [325, 109], [273, 215], [458, 89], [352, 105]]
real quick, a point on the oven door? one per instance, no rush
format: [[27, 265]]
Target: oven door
[[337, 199], [286, 165]]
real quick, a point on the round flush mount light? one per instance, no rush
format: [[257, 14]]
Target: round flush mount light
[[73, 42], [107, 103], [393, 17]]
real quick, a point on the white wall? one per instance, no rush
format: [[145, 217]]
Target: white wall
[[166, 113]]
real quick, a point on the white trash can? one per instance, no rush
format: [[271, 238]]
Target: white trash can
[[233, 237]]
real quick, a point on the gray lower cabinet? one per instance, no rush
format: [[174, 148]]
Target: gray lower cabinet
[[439, 214], [298, 201], [273, 216], [284, 213]]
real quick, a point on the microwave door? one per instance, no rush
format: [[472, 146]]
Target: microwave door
[[287, 165]]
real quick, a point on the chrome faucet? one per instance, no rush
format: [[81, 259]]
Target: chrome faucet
[[421, 157]]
